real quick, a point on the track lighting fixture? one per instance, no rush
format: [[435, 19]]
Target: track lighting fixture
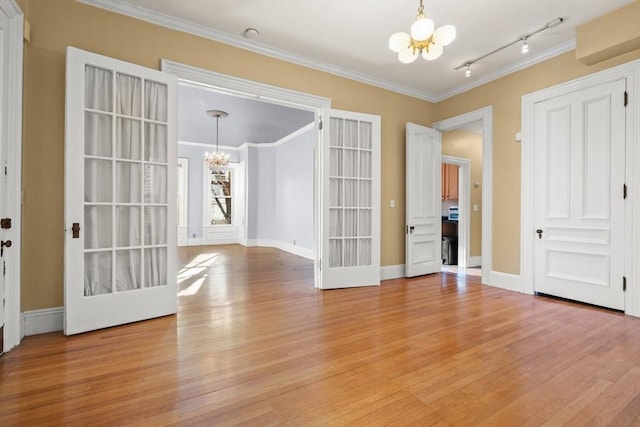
[[523, 39]]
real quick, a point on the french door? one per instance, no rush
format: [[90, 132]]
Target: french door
[[579, 172], [120, 193], [423, 247], [351, 200]]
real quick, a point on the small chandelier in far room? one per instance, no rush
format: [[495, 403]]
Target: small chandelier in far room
[[422, 40], [217, 159]]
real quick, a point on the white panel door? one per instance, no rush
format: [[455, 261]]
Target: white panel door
[[423, 246], [579, 169], [120, 193], [350, 195]]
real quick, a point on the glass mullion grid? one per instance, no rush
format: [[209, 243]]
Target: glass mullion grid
[[343, 195], [155, 122], [113, 178], [359, 160], [143, 130]]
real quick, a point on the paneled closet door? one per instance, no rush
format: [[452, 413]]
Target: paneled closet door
[[351, 196], [120, 210]]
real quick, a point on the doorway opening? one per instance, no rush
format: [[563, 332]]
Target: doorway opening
[[467, 143], [456, 214], [245, 91]]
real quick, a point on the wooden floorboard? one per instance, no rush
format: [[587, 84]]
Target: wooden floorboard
[[255, 344]]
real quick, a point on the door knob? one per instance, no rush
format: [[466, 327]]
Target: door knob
[[75, 230], [539, 231]]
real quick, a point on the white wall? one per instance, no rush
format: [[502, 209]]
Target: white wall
[[294, 196]]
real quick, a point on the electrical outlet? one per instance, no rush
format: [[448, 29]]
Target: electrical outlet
[[475, 208], [392, 204]]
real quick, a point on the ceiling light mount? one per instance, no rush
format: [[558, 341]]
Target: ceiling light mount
[[422, 40], [251, 33], [524, 49]]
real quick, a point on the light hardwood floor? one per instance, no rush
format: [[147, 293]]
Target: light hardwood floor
[[255, 344]]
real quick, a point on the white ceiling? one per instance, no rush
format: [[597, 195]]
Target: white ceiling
[[350, 37]]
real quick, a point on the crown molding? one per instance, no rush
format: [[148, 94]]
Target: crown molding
[[127, 9], [10, 8], [244, 145], [178, 24], [520, 65], [208, 146]]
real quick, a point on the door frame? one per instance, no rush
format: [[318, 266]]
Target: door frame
[[486, 115], [631, 72], [13, 97], [236, 86], [464, 207]]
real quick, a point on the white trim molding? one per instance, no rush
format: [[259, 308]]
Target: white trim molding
[[43, 321], [388, 272], [510, 282], [474, 261], [286, 247], [510, 69], [13, 99], [236, 86], [286, 138], [486, 115], [631, 72], [178, 24]]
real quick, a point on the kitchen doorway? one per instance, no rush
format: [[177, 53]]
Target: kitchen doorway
[[481, 121]]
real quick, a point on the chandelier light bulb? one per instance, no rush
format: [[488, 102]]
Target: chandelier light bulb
[[467, 72], [399, 42], [444, 35], [422, 29], [525, 47], [432, 52], [407, 56]]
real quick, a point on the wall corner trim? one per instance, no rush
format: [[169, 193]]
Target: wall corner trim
[[42, 321]]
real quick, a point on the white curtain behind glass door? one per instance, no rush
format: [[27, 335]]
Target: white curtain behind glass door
[[117, 265]]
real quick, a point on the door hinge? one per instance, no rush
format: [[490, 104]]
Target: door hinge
[[624, 283], [624, 191], [319, 264], [320, 124], [626, 98]]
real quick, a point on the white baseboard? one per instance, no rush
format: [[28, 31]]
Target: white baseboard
[[474, 261], [389, 272], [208, 242], [510, 282], [296, 250], [35, 322]]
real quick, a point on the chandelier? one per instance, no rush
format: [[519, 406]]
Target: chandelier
[[422, 40], [217, 160]]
